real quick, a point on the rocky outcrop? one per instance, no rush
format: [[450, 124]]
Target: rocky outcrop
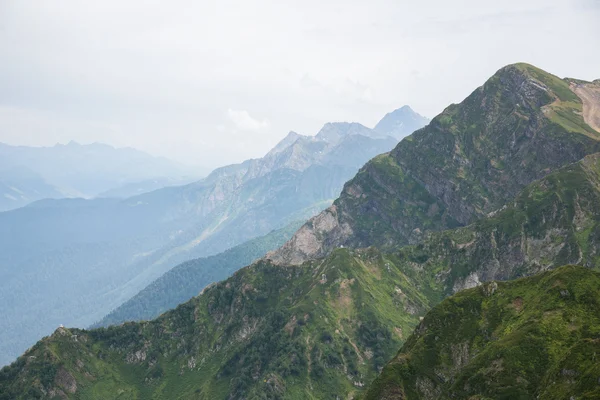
[[311, 239], [66, 381]]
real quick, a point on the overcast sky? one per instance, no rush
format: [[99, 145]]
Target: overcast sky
[[216, 82]]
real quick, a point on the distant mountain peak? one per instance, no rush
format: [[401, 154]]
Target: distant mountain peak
[[401, 122], [333, 132], [404, 109], [292, 135], [87, 170], [284, 143], [71, 143]]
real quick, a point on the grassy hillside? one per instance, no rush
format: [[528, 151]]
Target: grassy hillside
[[536, 337]]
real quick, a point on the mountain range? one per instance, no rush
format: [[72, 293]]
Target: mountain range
[[28, 174], [502, 186], [72, 261], [20, 186]]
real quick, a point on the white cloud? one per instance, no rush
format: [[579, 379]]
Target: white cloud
[[244, 122]]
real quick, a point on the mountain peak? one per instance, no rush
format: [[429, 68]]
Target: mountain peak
[[333, 132], [404, 109], [401, 122], [514, 75], [558, 98], [71, 143], [284, 143], [487, 140]]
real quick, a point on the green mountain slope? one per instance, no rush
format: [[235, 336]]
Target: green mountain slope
[[471, 159], [533, 338], [322, 329], [188, 279]]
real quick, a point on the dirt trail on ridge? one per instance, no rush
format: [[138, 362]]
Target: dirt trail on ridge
[[590, 96]]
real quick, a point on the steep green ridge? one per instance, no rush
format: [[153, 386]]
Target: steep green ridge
[[322, 329], [188, 279], [470, 160], [533, 338]]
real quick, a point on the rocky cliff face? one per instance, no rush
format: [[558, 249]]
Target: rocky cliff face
[[520, 125], [552, 222]]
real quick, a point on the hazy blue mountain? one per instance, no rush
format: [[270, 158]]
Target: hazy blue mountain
[[72, 261], [88, 170], [140, 187], [401, 123], [334, 132], [20, 186]]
